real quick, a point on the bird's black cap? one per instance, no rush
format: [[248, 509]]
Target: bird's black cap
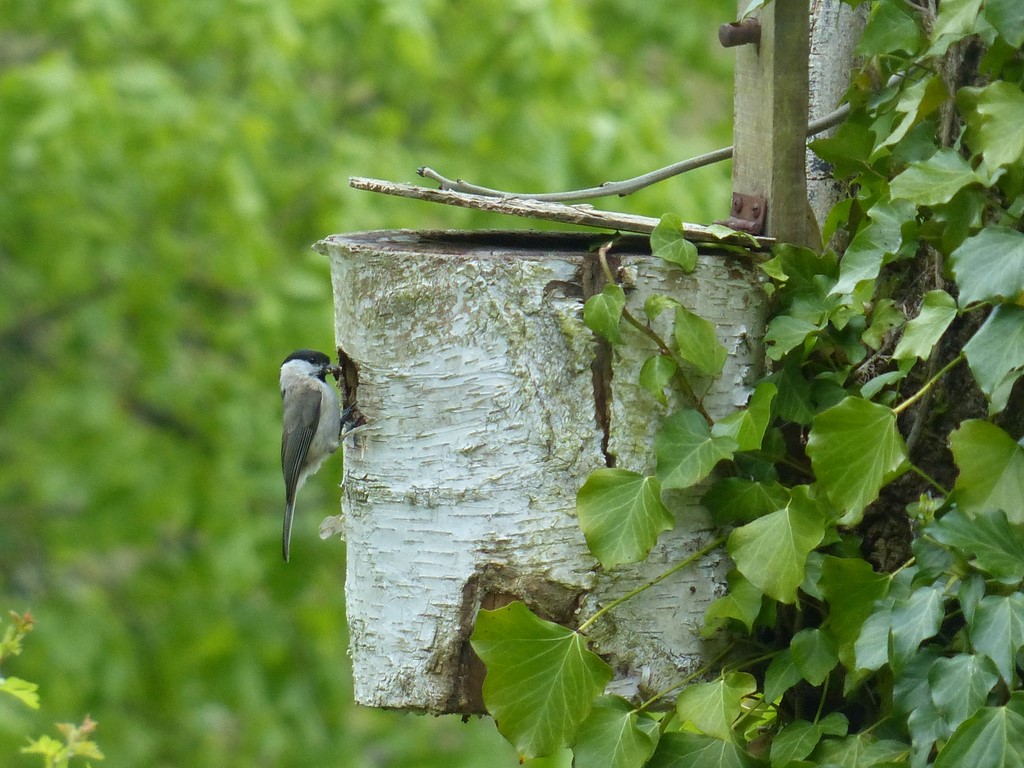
[[310, 356]]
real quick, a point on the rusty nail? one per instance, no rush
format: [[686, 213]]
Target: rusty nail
[[740, 33]]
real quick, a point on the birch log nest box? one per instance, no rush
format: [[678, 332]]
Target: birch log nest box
[[488, 402]]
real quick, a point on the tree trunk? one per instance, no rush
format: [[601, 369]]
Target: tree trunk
[[835, 31], [488, 402]]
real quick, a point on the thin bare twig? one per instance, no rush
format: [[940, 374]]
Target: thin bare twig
[[629, 186], [620, 188]]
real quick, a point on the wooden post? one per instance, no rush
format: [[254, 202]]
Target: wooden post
[[770, 130]]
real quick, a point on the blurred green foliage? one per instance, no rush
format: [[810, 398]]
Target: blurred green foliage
[[165, 167]]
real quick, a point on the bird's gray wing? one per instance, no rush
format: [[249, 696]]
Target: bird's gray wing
[[301, 415]]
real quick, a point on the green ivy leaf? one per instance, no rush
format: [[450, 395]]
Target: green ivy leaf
[[541, 678], [960, 685], [911, 690], [742, 602], [747, 425], [873, 386], [959, 218], [771, 552], [775, 269], [801, 269], [992, 738], [602, 312], [692, 750], [874, 245], [969, 594], [714, 707], [991, 470], [657, 303], [926, 726], [655, 374], [987, 539], [861, 750], [915, 619], [669, 243], [794, 401], [794, 742], [935, 180], [798, 739], [872, 646], [697, 342], [687, 451], [612, 737], [621, 515], [884, 317], [891, 27], [996, 354], [851, 587], [781, 675], [23, 690], [847, 149], [956, 19], [730, 236], [855, 449], [996, 122], [990, 265], [938, 310], [934, 562], [917, 100], [1007, 16], [998, 631], [814, 653], [786, 333], [737, 499]]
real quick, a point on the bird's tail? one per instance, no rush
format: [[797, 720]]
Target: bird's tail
[[286, 534]]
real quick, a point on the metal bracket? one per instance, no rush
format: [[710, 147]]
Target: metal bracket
[[747, 214]]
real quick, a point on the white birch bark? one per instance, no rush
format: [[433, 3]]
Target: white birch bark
[[475, 377], [659, 630]]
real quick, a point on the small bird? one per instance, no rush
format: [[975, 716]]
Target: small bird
[[312, 428]]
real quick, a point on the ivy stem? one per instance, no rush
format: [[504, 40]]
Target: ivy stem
[[929, 479], [747, 663], [821, 703], [656, 580], [650, 333], [680, 683], [906, 565], [928, 384]]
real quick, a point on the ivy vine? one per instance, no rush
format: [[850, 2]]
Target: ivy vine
[[894, 391]]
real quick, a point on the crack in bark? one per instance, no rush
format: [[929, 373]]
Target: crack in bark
[[349, 381], [601, 367]]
